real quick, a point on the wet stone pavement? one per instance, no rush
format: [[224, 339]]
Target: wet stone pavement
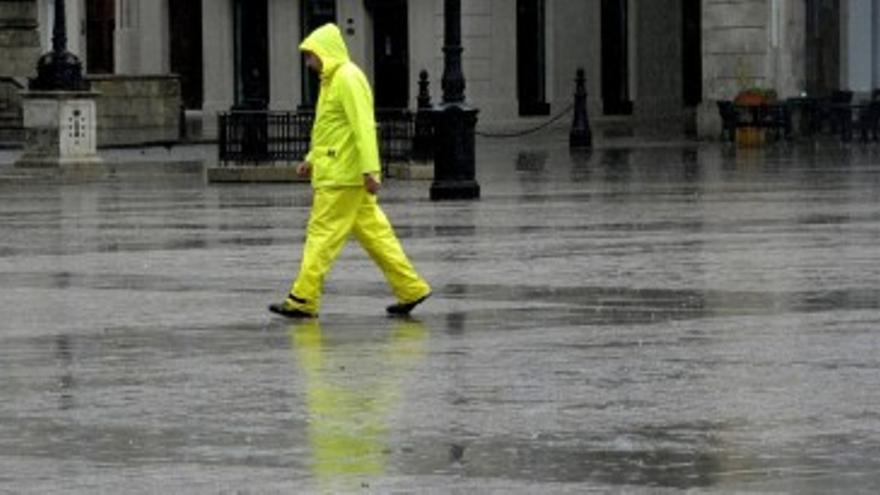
[[634, 320]]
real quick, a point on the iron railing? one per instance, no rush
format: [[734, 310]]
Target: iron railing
[[262, 137], [266, 136]]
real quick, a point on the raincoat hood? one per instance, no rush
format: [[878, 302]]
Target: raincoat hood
[[326, 42]]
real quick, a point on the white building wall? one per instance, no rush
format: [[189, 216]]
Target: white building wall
[[285, 90], [155, 38], [76, 29], [45, 16], [875, 44], [142, 37], [128, 54], [856, 45], [360, 39]]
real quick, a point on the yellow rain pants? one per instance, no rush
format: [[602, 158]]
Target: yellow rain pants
[[338, 212]]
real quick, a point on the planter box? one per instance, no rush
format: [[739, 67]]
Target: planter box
[[750, 137]]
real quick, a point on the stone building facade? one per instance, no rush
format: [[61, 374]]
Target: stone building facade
[[661, 63]]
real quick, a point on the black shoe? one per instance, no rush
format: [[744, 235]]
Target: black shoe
[[292, 307], [284, 310], [406, 308]]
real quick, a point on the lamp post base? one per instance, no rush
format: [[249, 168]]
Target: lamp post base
[[454, 152]]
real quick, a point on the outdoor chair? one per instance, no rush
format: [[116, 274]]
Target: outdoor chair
[[776, 119], [830, 111], [868, 121], [729, 120]]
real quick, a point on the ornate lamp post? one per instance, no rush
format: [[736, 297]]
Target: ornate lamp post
[[454, 120], [59, 70], [59, 111]]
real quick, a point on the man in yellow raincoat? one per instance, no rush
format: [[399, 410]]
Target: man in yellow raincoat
[[343, 164]]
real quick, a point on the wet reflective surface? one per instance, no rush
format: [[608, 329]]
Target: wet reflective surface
[[635, 319]]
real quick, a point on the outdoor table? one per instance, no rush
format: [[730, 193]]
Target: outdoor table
[[773, 116]]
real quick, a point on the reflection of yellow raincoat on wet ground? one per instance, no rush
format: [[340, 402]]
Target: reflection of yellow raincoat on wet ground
[[350, 397], [343, 149]]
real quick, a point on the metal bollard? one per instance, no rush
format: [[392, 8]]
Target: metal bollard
[[581, 136], [423, 140]]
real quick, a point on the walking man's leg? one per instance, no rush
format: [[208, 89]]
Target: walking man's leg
[[333, 214], [375, 234]]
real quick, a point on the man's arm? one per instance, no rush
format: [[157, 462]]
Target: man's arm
[[357, 102]]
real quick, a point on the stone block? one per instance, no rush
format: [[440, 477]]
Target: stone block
[[254, 173], [411, 170], [137, 109], [18, 14], [19, 39], [747, 66], [744, 40], [731, 14]]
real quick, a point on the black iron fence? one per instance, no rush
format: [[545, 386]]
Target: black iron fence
[[264, 136]]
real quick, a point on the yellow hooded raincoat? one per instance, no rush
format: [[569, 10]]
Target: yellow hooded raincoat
[[343, 149], [344, 143]]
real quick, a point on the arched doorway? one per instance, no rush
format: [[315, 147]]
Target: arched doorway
[[186, 49], [251, 36], [530, 57], [615, 58], [691, 52], [100, 25], [391, 52], [823, 46]]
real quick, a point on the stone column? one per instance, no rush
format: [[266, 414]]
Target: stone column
[[217, 20], [142, 37], [788, 42], [285, 89]]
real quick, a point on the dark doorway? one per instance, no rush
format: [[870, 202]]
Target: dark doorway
[[692, 53], [186, 49], [615, 58], [251, 54], [823, 47], [391, 53], [530, 59], [313, 14], [100, 23]]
